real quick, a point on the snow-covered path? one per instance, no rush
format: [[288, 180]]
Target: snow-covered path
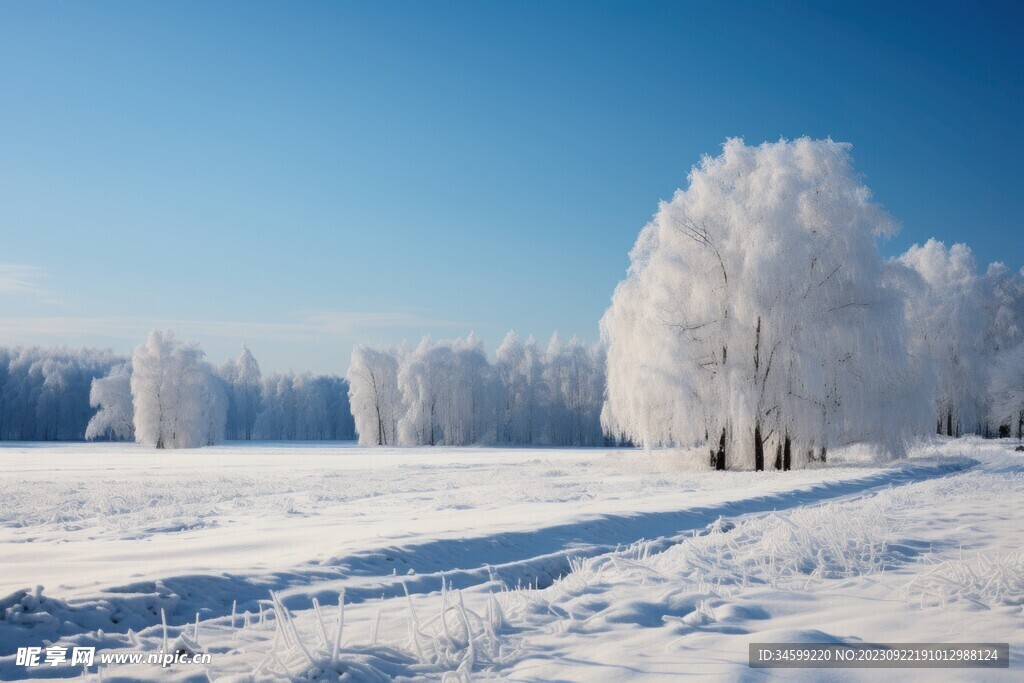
[[115, 537]]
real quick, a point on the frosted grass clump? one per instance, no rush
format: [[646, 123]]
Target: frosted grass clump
[[985, 581]]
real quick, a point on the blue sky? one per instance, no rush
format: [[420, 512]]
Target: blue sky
[[304, 176]]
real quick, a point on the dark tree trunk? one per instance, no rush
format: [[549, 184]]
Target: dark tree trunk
[[719, 457], [758, 449], [381, 441], [787, 454], [949, 422], [778, 456], [824, 453]]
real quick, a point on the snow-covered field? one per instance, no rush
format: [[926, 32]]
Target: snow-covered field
[[498, 563]]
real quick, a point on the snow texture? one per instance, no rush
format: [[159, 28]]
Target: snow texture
[[500, 563]]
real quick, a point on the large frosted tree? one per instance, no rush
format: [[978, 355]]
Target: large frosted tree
[[179, 401], [756, 316]]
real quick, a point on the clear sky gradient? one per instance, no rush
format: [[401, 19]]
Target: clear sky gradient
[[304, 176]]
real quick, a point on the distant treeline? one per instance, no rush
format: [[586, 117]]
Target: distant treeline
[[440, 393], [62, 394], [44, 393]]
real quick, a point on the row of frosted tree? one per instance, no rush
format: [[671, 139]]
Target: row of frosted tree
[[166, 394], [44, 393], [450, 393], [170, 396], [759, 319], [970, 329]]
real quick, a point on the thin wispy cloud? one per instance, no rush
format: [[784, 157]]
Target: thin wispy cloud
[[23, 280], [347, 321], [310, 326]]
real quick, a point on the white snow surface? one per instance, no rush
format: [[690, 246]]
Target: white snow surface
[[582, 564]]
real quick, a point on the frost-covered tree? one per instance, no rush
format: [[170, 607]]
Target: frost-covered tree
[[449, 394], [522, 392], [304, 407], [756, 316], [374, 395], [1006, 391], [328, 413], [112, 395], [947, 323], [1003, 301], [964, 329], [574, 378], [215, 402], [278, 418], [179, 401], [425, 380], [474, 420], [244, 390]]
